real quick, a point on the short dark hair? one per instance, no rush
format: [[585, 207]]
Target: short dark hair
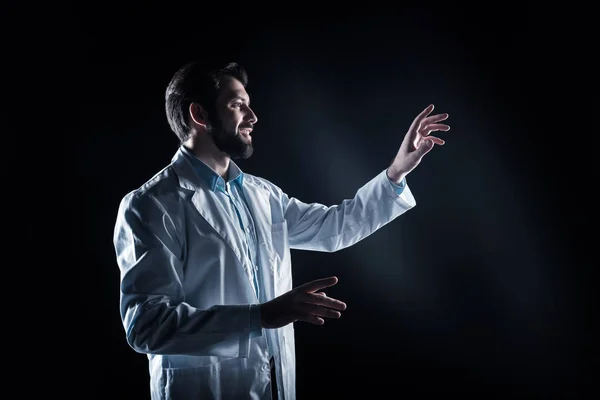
[[196, 83]]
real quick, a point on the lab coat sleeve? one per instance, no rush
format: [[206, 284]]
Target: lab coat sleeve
[[149, 249], [318, 227]]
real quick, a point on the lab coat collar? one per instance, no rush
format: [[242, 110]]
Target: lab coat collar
[[212, 179], [188, 179]]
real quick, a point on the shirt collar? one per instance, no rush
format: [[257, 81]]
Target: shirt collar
[[212, 179]]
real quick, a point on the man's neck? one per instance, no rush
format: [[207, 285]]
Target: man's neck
[[211, 156]]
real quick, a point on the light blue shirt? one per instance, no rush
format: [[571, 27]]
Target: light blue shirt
[[234, 201]]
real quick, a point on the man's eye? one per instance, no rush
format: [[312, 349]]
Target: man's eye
[[238, 104]]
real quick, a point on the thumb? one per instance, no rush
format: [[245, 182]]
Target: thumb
[[426, 146]]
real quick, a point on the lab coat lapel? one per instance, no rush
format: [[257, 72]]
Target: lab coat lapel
[[209, 207], [218, 217]]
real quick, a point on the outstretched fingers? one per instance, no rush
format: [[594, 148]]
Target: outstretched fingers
[[432, 119], [313, 286], [321, 299], [423, 120], [427, 129], [434, 139], [309, 317], [425, 112], [312, 306], [429, 125], [319, 311]]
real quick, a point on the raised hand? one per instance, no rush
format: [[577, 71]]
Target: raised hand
[[417, 142], [303, 303]]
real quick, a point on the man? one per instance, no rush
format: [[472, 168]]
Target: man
[[204, 249]]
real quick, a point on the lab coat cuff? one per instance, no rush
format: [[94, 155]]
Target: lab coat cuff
[[254, 324], [399, 188], [403, 197]]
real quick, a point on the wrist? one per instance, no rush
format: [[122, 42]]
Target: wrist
[[256, 319], [260, 316], [395, 175]]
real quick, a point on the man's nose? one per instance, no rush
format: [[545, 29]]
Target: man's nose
[[251, 116]]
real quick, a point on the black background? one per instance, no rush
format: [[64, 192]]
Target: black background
[[477, 291]]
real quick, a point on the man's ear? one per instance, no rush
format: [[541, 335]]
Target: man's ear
[[198, 114]]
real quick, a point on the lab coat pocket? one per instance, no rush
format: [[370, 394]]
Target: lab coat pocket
[[279, 239], [200, 382]]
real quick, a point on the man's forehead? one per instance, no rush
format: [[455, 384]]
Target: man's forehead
[[232, 88]]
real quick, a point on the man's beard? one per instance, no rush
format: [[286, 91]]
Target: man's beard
[[230, 142]]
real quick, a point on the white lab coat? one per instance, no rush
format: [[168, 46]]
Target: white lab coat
[[186, 296]]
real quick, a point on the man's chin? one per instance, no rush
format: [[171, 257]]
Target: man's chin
[[236, 148], [242, 155]]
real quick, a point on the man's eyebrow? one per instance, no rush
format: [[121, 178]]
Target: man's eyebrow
[[239, 97]]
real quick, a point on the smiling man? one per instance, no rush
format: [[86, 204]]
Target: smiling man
[[204, 248]]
